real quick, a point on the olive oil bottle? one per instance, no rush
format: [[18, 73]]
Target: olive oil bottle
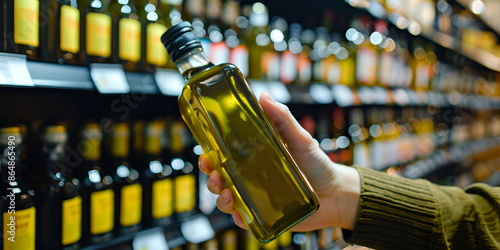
[[17, 201], [21, 27], [128, 189], [61, 212], [97, 192], [271, 193]]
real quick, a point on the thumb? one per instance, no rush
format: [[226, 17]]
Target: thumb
[[295, 137]]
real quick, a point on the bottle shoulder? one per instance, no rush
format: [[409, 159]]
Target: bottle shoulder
[[202, 75]]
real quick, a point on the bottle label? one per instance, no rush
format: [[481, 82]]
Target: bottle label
[[366, 66], [131, 205], [153, 139], [422, 76], [156, 54], [71, 220], [98, 34], [26, 22], [361, 155], [184, 193], [102, 211], [305, 69], [162, 193], [129, 39], [270, 65], [289, 66], [91, 144], [70, 29], [120, 142], [239, 57], [219, 53], [178, 137], [347, 72], [172, 2], [333, 71], [19, 229], [384, 73]]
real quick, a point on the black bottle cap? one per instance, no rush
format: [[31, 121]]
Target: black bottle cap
[[180, 39]]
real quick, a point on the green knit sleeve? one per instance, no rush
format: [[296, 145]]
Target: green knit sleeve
[[399, 213]]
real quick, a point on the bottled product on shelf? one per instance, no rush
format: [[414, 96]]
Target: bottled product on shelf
[[20, 27], [127, 181], [95, 31], [18, 200], [59, 224], [98, 195], [157, 181]]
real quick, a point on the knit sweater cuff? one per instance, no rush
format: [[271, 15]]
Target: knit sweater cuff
[[395, 212]]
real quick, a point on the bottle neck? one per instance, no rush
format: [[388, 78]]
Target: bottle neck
[[191, 61]]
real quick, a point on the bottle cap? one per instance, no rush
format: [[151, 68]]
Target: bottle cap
[[180, 39]]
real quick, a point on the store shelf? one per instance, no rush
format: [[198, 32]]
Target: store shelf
[[173, 235], [495, 26], [480, 56]]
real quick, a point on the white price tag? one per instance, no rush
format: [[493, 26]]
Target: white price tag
[[170, 82], [14, 71], [321, 93], [258, 87], [109, 78], [279, 91], [197, 229], [343, 95], [153, 239]]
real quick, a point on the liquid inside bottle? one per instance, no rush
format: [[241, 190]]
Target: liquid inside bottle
[[271, 193]]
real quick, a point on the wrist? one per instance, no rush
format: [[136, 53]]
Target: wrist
[[346, 195]]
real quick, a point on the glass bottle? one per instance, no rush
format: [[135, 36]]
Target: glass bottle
[[158, 184], [95, 31], [127, 186], [61, 212], [153, 25], [17, 200], [226, 119], [97, 192], [257, 39], [183, 176], [21, 28], [60, 34], [126, 34]]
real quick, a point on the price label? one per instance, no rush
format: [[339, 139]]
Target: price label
[[153, 239], [321, 93], [343, 95], [109, 78], [197, 229], [14, 70], [169, 82], [258, 87], [279, 91]]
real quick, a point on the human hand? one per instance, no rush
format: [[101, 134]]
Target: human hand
[[337, 186]]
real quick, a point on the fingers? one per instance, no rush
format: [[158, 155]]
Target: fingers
[[225, 201], [205, 164], [289, 129], [215, 182], [238, 220]]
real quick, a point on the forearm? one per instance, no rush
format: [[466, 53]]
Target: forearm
[[399, 213]]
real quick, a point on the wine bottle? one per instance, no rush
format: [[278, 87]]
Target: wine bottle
[[95, 31], [21, 27], [241, 138], [61, 212], [97, 189], [17, 200]]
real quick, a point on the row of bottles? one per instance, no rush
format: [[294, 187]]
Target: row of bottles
[[102, 184], [381, 137], [365, 52]]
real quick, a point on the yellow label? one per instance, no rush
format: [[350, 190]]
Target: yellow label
[[70, 29], [131, 205], [19, 229], [26, 22], [71, 220], [130, 39], [102, 205], [120, 142], [184, 193], [347, 68], [155, 51], [162, 199], [98, 34]]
